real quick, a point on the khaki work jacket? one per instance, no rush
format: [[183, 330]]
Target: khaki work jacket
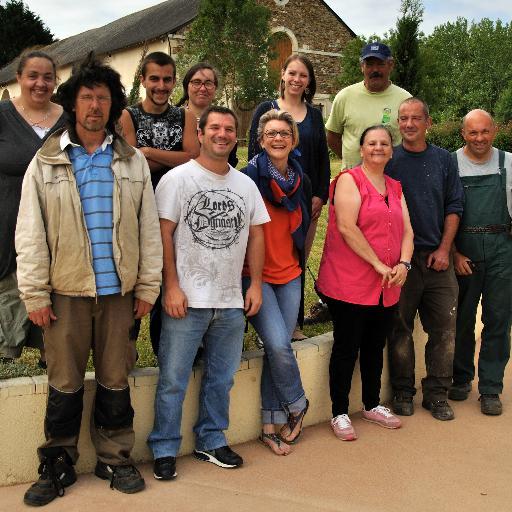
[[52, 243]]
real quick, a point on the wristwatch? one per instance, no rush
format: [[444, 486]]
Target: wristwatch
[[406, 264]]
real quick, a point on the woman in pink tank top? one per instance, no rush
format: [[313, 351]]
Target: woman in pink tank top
[[367, 253]]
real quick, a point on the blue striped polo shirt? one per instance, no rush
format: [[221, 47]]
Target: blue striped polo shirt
[[95, 181]]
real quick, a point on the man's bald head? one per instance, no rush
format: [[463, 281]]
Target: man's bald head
[[477, 114], [478, 130]]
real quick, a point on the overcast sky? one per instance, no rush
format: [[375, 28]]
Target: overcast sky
[[65, 18]]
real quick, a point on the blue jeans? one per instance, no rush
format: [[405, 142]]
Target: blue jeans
[[223, 338], [281, 386]]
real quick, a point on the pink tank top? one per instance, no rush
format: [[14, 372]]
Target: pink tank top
[[343, 274]]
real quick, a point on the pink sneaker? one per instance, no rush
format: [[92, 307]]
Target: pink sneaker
[[382, 416], [342, 428]]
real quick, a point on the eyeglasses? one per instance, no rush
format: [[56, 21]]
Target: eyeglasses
[[89, 98], [208, 84], [272, 134]]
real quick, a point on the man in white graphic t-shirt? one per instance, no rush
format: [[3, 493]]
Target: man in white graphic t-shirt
[[211, 215]]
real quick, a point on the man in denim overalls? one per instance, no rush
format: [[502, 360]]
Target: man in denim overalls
[[483, 262]]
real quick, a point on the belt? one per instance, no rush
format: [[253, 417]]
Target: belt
[[491, 228]]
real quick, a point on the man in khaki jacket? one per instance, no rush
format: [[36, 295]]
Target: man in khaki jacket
[[89, 264]]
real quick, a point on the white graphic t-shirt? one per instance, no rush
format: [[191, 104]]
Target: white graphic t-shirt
[[213, 215]]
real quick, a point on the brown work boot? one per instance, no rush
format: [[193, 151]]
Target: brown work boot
[[402, 405], [490, 404], [440, 409], [126, 478], [55, 474]]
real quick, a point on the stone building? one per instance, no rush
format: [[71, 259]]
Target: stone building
[[312, 28], [309, 27]]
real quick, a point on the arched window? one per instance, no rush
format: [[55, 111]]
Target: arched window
[[5, 94]]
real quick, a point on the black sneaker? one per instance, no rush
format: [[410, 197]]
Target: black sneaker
[[490, 404], [223, 457], [402, 405], [164, 468], [440, 409], [55, 474], [126, 479], [459, 392]]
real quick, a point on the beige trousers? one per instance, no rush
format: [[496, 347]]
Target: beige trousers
[[104, 325]]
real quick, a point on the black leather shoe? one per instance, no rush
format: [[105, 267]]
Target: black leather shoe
[[490, 404], [402, 405], [459, 391], [55, 474], [164, 468], [440, 409], [223, 457], [126, 479]]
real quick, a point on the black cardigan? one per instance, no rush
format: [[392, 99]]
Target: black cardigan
[[314, 158]]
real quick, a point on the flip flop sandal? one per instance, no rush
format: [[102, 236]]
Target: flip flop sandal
[[293, 421], [271, 437]]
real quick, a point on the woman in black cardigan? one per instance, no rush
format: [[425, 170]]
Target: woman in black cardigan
[[297, 89]]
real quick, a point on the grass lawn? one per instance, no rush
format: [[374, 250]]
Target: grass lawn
[[26, 365]]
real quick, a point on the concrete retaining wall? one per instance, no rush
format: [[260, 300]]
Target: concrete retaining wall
[[22, 406]]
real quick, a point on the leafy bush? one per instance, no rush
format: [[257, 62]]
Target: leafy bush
[[504, 137], [447, 135], [504, 105]]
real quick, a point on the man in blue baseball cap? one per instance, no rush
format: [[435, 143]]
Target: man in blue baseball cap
[[375, 100]]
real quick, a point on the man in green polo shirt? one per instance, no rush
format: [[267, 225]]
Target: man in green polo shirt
[[375, 100]]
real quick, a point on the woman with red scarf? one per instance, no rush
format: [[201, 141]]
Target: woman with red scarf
[[286, 191]]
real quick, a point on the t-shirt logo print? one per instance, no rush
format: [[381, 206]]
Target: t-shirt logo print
[[216, 218]]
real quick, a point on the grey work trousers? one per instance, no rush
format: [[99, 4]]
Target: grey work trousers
[[433, 295]]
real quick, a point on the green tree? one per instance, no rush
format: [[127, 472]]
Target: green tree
[[20, 28], [234, 36], [466, 66], [503, 109], [404, 42]]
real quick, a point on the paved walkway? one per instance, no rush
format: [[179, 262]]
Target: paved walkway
[[428, 465]]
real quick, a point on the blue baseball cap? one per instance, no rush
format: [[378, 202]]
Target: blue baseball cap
[[377, 50]]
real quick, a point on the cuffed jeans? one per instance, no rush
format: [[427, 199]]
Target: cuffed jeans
[[434, 295], [281, 385], [222, 330]]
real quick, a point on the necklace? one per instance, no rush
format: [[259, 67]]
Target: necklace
[[39, 123], [187, 107]]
